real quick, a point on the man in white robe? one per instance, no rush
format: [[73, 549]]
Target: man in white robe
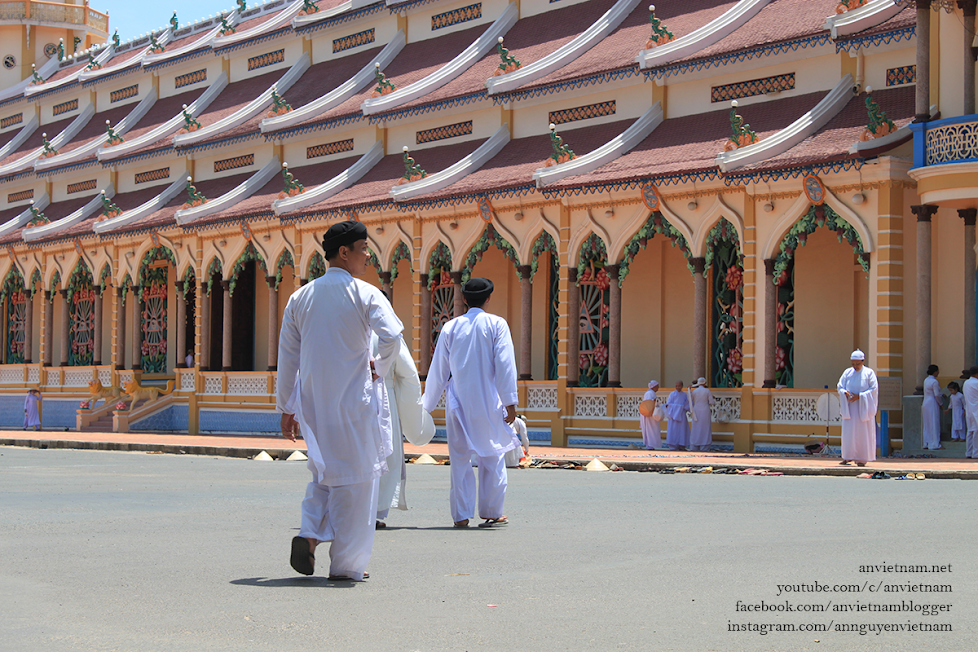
[[475, 365], [324, 346], [701, 430], [677, 429], [858, 401], [970, 391], [406, 420]]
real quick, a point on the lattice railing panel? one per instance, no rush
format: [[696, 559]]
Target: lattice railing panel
[[13, 375], [725, 409], [797, 408], [33, 375], [186, 379], [247, 385], [212, 384], [78, 377], [950, 143], [105, 377], [541, 397], [627, 406], [591, 406]]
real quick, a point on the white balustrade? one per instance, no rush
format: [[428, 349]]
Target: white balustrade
[[212, 384], [105, 377], [591, 405], [248, 385], [627, 406], [33, 375], [541, 397], [798, 408], [78, 377], [11, 374], [186, 380]]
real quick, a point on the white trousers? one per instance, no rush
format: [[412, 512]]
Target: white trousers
[[346, 516], [391, 492], [971, 448], [492, 477]]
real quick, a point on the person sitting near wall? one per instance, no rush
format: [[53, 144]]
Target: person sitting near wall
[[189, 360], [32, 416]]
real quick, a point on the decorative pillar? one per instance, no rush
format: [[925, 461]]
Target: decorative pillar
[[969, 215], [573, 329], [204, 360], [969, 7], [272, 323], [48, 342], [425, 325], [64, 328], [226, 328], [614, 328], [97, 324], [137, 330], [699, 317], [120, 329], [385, 280], [181, 325], [458, 301], [29, 326], [924, 214], [922, 103], [770, 325], [526, 323]]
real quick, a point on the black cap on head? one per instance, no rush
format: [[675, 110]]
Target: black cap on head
[[343, 234], [477, 290], [973, 371]]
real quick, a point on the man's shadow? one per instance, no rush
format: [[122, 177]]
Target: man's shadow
[[299, 582]]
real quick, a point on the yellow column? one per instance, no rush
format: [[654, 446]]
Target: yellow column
[[752, 362], [417, 281], [889, 285], [193, 411], [565, 285]]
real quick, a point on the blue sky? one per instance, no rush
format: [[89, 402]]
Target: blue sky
[[135, 18]]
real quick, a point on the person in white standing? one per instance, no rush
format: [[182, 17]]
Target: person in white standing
[[970, 392], [701, 430], [956, 408], [930, 410], [475, 366], [406, 420], [651, 430], [858, 402], [324, 346], [32, 416], [522, 450], [677, 429]]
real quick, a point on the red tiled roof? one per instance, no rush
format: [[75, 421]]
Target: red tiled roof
[[515, 164], [8, 214], [832, 142], [260, 203], [162, 111], [95, 128], [35, 140], [529, 40], [621, 47], [65, 71], [375, 186], [414, 62], [53, 212], [211, 188], [314, 83], [905, 18], [126, 201]]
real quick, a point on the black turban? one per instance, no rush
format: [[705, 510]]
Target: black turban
[[477, 290], [343, 234]]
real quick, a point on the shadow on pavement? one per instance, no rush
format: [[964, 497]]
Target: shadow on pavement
[[310, 582]]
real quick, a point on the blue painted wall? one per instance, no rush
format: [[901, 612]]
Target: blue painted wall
[[257, 423], [174, 418]]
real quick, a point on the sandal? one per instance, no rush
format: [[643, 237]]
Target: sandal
[[302, 559], [461, 525], [490, 522]]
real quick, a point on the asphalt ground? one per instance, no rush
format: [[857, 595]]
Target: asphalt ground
[[134, 551]]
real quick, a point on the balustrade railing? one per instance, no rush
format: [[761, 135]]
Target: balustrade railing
[[949, 140], [54, 12]]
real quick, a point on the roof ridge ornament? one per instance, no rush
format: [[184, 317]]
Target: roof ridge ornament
[[189, 124], [174, 23], [109, 209], [37, 217], [849, 5], [660, 34], [92, 63], [61, 47], [509, 63], [742, 133], [111, 137], [155, 46], [412, 171], [47, 150], [195, 197], [242, 6], [561, 152], [115, 43], [292, 187], [879, 125], [308, 8], [384, 86], [279, 105], [35, 78], [225, 27]]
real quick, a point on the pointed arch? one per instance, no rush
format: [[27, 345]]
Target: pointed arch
[[719, 210], [540, 226], [401, 252], [801, 207], [655, 224], [588, 228], [80, 302], [105, 275], [544, 242], [154, 242], [490, 237], [248, 254], [316, 266], [428, 249], [284, 260], [215, 266]]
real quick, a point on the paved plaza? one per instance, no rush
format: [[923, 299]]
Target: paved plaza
[[134, 551]]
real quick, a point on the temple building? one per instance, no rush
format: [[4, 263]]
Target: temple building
[[745, 190]]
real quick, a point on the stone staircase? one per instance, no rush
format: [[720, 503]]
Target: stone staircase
[[102, 424]]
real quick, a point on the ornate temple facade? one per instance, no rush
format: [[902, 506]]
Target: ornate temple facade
[[732, 189]]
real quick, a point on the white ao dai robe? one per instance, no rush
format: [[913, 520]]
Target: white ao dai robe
[[324, 354], [970, 392], [701, 430], [651, 430], [474, 364], [930, 413], [858, 417], [677, 430]]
